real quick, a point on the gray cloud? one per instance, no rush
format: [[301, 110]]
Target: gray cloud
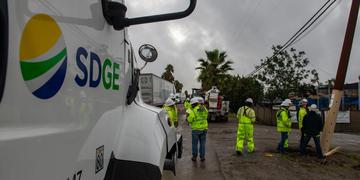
[[246, 30]]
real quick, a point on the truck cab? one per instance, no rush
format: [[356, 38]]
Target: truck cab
[[69, 102]]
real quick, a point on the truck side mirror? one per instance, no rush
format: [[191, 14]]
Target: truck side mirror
[[114, 13], [148, 53]]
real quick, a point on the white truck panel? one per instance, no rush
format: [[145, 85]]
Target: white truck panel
[[213, 100], [74, 132]]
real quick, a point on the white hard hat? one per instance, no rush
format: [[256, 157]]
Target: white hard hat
[[172, 96], [193, 100], [313, 107], [200, 100], [304, 101], [249, 100], [286, 103], [169, 102]]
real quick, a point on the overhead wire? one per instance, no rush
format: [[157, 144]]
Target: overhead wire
[[312, 28], [298, 35], [295, 37], [315, 25], [292, 39]]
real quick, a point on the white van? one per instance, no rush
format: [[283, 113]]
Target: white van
[[69, 102]]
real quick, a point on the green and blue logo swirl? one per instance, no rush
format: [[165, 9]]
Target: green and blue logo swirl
[[43, 56]]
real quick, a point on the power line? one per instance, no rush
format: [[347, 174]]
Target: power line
[[307, 23], [314, 26], [291, 41]]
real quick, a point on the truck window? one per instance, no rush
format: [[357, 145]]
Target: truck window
[[3, 44]]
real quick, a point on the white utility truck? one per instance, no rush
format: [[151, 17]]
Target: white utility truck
[[217, 106], [69, 102], [154, 89]]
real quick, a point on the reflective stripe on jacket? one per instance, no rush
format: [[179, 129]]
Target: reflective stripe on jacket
[[246, 115], [198, 118], [283, 121]]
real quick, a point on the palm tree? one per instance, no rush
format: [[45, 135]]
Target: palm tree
[[178, 86], [168, 74], [214, 69]]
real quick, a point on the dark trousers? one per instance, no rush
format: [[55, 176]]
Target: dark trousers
[[301, 138], [284, 137], [198, 137], [305, 142]]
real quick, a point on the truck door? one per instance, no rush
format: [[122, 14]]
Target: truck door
[[63, 102]]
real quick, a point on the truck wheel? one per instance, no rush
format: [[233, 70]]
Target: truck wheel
[[170, 163]]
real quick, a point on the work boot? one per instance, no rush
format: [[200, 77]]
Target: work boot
[[193, 158], [202, 159], [239, 153]]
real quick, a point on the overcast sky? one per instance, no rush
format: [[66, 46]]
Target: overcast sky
[[246, 30]]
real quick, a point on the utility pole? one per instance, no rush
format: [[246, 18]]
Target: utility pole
[[337, 92]]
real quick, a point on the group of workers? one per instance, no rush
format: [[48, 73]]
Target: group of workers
[[309, 122]]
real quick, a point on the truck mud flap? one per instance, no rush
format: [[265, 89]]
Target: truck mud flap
[[129, 170], [180, 145]]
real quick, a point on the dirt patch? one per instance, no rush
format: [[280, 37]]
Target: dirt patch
[[266, 163]]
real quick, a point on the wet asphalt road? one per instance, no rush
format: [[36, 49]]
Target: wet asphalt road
[[187, 169]]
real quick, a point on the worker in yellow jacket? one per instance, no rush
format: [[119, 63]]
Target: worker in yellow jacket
[[170, 108], [283, 123], [246, 117], [300, 117], [198, 122]]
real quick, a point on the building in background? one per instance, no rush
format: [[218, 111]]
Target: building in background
[[349, 101]]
